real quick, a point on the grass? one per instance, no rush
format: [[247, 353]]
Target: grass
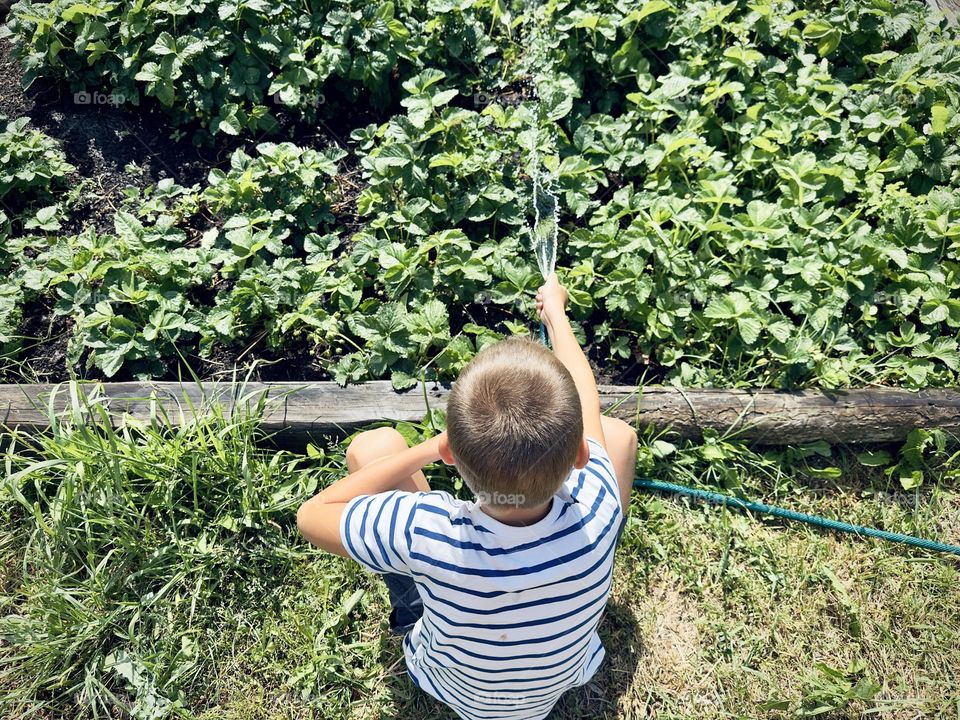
[[156, 572]]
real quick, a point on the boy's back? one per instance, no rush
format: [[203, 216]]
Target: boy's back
[[502, 595], [510, 612]]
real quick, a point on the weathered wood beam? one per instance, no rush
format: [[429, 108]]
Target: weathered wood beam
[[297, 412], [949, 8]]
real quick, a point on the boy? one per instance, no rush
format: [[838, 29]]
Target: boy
[[502, 596]]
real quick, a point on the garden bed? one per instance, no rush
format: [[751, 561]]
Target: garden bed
[[115, 147], [298, 413]]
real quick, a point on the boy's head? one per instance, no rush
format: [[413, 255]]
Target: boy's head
[[514, 424]]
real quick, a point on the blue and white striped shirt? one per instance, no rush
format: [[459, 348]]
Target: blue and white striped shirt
[[510, 613]]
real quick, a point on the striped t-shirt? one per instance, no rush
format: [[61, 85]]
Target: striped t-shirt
[[510, 613]]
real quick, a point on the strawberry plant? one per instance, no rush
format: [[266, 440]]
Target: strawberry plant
[[283, 189], [813, 266], [33, 169], [31, 165]]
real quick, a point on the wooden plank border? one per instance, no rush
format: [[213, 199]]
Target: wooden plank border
[[949, 8], [298, 412]]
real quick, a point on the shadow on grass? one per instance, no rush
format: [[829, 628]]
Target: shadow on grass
[[599, 698]]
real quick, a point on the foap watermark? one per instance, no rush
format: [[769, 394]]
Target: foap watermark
[[694, 100], [894, 297], [303, 100], [499, 499], [98, 98], [494, 699], [482, 98]]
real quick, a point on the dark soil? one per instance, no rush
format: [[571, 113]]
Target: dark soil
[[296, 361], [46, 355], [101, 139], [623, 372]]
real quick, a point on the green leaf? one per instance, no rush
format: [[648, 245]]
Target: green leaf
[[229, 122], [128, 228], [743, 55], [46, 218], [419, 110], [443, 97], [880, 58], [939, 116], [749, 328], [728, 307], [79, 11], [648, 8], [827, 36], [662, 448], [877, 458], [419, 84], [911, 480], [164, 45], [110, 360]]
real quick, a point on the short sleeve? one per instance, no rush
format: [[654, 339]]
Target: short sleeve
[[375, 530], [597, 482]]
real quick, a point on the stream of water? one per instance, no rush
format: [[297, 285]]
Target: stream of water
[[543, 233]]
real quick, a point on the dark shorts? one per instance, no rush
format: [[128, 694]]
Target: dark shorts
[[406, 606]]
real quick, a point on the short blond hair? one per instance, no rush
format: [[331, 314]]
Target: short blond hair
[[514, 424]]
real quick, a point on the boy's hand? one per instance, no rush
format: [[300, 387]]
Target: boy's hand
[[551, 300], [432, 448]]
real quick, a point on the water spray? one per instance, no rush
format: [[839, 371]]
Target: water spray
[[543, 233]]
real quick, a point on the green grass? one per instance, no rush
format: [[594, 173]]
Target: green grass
[[156, 573]]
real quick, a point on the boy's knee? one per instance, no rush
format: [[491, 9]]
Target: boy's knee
[[372, 444], [620, 432]]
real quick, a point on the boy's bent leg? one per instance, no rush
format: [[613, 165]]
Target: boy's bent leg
[[622, 447], [366, 448], [372, 445]]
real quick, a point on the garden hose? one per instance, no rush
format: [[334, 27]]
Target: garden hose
[[815, 520]]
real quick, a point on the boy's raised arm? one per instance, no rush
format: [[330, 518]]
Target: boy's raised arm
[[552, 307]]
